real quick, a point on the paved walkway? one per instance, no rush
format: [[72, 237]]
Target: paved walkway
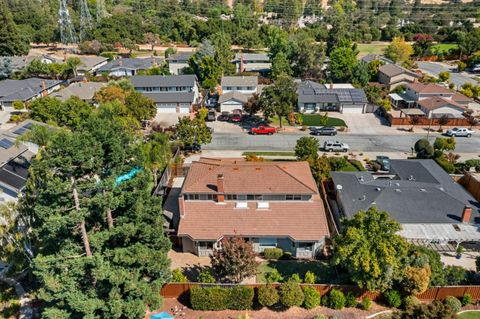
[[467, 261]]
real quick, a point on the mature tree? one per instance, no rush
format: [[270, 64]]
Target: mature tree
[[281, 65], [87, 226], [416, 279], [12, 40], [192, 131], [360, 75], [307, 148], [36, 68], [110, 93], [423, 148], [209, 72], [370, 249], [444, 76], [373, 67], [152, 39], [253, 104], [6, 69], [235, 261], [157, 153], [445, 143], [342, 62], [72, 65], [279, 98], [398, 50], [423, 45], [140, 106], [248, 39], [307, 58]]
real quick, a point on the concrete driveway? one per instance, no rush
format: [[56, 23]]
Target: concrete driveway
[[434, 68], [367, 124]]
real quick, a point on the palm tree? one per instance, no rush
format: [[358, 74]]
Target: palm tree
[[157, 154], [72, 65]]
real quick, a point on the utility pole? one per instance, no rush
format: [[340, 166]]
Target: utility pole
[[85, 20], [101, 10]]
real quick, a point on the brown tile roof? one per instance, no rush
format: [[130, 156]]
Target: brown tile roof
[[458, 97], [436, 102], [428, 88], [242, 177], [392, 70], [208, 220]]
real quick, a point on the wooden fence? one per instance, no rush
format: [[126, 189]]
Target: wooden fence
[[178, 290], [471, 183], [423, 121]]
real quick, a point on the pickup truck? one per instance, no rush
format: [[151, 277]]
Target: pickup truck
[[263, 130], [459, 131]]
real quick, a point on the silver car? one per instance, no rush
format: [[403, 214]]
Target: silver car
[[460, 131], [335, 146]]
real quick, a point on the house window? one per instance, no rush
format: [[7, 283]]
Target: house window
[[293, 197], [231, 197], [305, 246], [309, 106], [205, 244], [267, 242], [250, 197]]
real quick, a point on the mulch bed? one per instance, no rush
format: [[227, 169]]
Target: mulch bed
[[179, 310]]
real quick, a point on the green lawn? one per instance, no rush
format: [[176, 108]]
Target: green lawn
[[323, 270], [444, 47], [469, 315], [314, 120], [371, 48], [269, 153]]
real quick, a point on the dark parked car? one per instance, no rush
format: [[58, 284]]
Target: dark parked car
[[384, 162], [194, 148], [326, 130], [224, 116]]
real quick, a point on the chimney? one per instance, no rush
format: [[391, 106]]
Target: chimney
[[220, 188], [181, 206], [44, 88], [331, 86], [241, 63], [466, 214]]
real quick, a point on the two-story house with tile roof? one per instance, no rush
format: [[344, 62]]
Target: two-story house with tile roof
[[178, 62], [171, 93], [270, 204]]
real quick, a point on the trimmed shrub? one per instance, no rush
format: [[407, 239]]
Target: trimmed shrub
[[219, 298], [272, 253], [312, 298], [366, 303], [240, 298], [309, 277], [467, 300], [295, 278], [291, 294], [273, 276], [287, 256], [267, 295], [178, 276], [454, 303], [350, 300], [336, 299], [206, 277], [410, 302], [209, 298], [393, 298]]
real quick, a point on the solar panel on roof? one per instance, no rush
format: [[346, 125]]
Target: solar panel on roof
[[22, 129], [6, 144]]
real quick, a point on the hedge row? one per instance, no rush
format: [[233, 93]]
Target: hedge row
[[219, 298]]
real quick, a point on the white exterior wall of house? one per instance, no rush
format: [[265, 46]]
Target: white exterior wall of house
[[229, 106], [184, 108], [253, 66], [122, 72], [82, 70], [421, 96], [443, 110], [175, 68], [247, 90], [352, 108]]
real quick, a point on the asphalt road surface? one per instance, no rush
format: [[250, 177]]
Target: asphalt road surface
[[357, 143], [435, 68]]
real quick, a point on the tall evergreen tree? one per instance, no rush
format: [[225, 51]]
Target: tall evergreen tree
[[12, 42]]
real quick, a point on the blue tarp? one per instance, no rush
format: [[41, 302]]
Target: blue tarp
[[125, 177], [162, 315]]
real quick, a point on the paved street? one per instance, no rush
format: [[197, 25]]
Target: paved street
[[357, 143], [434, 68]]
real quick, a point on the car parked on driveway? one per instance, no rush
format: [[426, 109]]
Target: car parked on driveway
[[224, 116], [384, 162], [211, 115], [326, 130], [235, 118], [335, 146], [459, 131], [262, 129]]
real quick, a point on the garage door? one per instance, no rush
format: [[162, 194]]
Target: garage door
[[230, 107], [351, 108]]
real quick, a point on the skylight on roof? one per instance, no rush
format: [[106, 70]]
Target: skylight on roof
[[6, 143]]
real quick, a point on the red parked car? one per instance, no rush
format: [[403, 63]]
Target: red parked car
[[263, 130], [235, 118]]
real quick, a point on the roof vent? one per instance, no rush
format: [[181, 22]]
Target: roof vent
[[378, 189], [423, 190], [364, 197], [241, 205], [442, 189], [411, 178], [257, 168], [263, 205], [397, 184], [360, 178]]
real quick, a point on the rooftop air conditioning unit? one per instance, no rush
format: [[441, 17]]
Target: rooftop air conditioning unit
[[241, 205], [262, 205]]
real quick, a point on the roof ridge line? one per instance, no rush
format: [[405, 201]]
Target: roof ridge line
[[294, 177]]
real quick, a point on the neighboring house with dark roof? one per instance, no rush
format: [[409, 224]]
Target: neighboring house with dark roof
[[376, 57], [236, 90], [418, 194], [270, 204], [314, 97], [392, 75], [171, 93], [83, 90], [252, 62], [25, 90], [128, 66], [90, 64], [432, 99], [15, 161], [178, 62]]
